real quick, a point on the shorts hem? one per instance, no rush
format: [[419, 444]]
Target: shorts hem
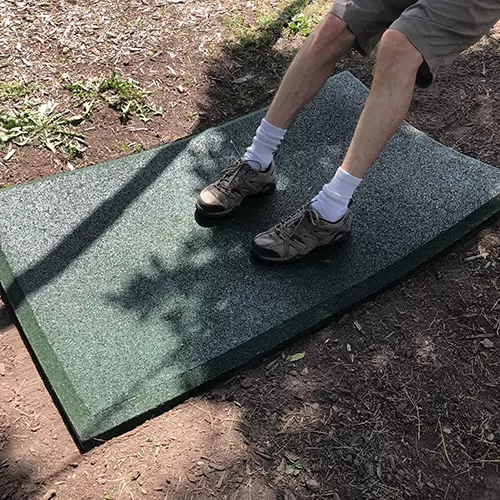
[[429, 67], [362, 43]]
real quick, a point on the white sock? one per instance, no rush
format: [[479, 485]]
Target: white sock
[[333, 199], [265, 143]]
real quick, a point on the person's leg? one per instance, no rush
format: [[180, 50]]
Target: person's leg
[[328, 221], [394, 80], [310, 69], [308, 72], [305, 77]]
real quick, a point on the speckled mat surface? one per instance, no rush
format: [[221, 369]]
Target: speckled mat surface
[[129, 304]]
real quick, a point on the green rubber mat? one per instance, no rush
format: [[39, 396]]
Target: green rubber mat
[[129, 304]]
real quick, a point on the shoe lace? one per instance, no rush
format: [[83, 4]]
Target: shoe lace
[[231, 176], [288, 227]]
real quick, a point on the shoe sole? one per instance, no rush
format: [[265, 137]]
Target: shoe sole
[[211, 215], [342, 236]]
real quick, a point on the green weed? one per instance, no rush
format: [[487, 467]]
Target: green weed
[[16, 90], [132, 147], [302, 24], [41, 125], [124, 96]]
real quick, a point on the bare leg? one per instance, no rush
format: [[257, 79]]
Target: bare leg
[[310, 69], [390, 96]]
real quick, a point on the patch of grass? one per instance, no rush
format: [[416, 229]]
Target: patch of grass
[[124, 96], [41, 125], [16, 90], [299, 17], [238, 27]]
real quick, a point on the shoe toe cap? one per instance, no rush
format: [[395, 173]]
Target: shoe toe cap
[[263, 246], [209, 202], [208, 197]]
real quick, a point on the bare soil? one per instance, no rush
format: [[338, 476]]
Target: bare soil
[[398, 400]]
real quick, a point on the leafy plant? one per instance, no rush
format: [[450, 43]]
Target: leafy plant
[[293, 464], [39, 124], [302, 24], [124, 96]]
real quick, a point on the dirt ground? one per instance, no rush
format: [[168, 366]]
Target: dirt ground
[[400, 399]]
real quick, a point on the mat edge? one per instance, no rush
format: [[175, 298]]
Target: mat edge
[[51, 370]]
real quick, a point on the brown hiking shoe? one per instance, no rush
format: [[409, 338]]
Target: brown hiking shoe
[[298, 235], [237, 182]]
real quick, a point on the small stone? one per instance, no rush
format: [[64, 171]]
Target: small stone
[[144, 491], [2, 369], [313, 485], [101, 480], [487, 343], [291, 456], [135, 475], [50, 494], [246, 383]]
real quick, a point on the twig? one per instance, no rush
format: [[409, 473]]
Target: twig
[[444, 446]]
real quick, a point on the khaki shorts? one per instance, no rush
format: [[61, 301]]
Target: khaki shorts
[[439, 29]]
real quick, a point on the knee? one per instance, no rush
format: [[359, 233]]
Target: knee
[[397, 54], [332, 36]]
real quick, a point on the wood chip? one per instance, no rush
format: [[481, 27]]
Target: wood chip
[[50, 494], [244, 79], [217, 466], [290, 455], [9, 155], [478, 256], [487, 343]]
